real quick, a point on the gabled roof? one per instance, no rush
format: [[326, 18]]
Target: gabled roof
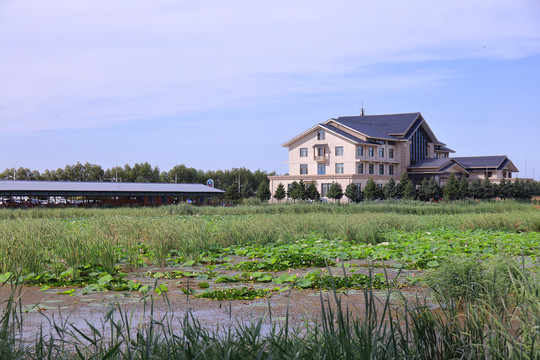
[[435, 166], [498, 162], [365, 128], [392, 127], [387, 127], [343, 133], [330, 128], [391, 124]]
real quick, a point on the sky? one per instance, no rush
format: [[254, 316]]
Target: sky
[[222, 84]]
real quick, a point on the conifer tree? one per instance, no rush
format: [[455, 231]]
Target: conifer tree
[[279, 194], [451, 189], [263, 192], [390, 190], [335, 192], [409, 192], [351, 192], [312, 193], [232, 194], [400, 187], [486, 189], [371, 190], [463, 188]]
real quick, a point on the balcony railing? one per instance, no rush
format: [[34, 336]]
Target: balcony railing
[[322, 158]]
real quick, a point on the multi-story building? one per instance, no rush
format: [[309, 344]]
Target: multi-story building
[[357, 148]]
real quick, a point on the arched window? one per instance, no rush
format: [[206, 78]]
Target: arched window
[[320, 135]]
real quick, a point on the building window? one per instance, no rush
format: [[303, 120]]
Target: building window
[[488, 174], [320, 135], [339, 150], [303, 152], [391, 153], [360, 151], [381, 152], [371, 169], [303, 169], [390, 169], [339, 168], [379, 186], [321, 169], [371, 151], [360, 169], [381, 169], [324, 189]]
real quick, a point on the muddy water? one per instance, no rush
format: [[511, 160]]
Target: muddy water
[[41, 307]]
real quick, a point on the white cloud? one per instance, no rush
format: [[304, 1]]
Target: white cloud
[[96, 63]]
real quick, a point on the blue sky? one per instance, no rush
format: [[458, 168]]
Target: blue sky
[[215, 85]]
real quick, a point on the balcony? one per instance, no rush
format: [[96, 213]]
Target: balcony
[[322, 158]]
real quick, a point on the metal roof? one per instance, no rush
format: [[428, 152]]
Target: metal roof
[[104, 188]]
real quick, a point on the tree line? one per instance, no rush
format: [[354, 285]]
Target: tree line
[[243, 182], [429, 190]]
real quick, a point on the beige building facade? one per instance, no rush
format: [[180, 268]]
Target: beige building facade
[[353, 149]]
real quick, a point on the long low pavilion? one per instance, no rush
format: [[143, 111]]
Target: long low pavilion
[[25, 192]]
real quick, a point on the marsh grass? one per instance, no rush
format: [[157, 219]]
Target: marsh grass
[[412, 329], [38, 239]]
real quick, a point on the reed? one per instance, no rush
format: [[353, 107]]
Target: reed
[[54, 240], [412, 330]]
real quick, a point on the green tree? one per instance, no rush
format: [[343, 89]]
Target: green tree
[[312, 193], [280, 193], [409, 192], [352, 192], [297, 190], [475, 189], [232, 194], [486, 189], [451, 189], [263, 192], [335, 192], [400, 187], [428, 190], [371, 190], [463, 188], [390, 190]]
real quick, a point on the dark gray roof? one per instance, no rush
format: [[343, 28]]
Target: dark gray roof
[[343, 133], [380, 126], [431, 163], [444, 148], [75, 187], [482, 162]]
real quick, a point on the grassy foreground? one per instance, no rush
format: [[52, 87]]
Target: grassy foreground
[[38, 239], [502, 324], [483, 258]]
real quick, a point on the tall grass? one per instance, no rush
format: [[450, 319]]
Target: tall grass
[[55, 240], [397, 207], [409, 329]]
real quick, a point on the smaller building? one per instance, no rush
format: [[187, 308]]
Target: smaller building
[[495, 168], [30, 193]]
